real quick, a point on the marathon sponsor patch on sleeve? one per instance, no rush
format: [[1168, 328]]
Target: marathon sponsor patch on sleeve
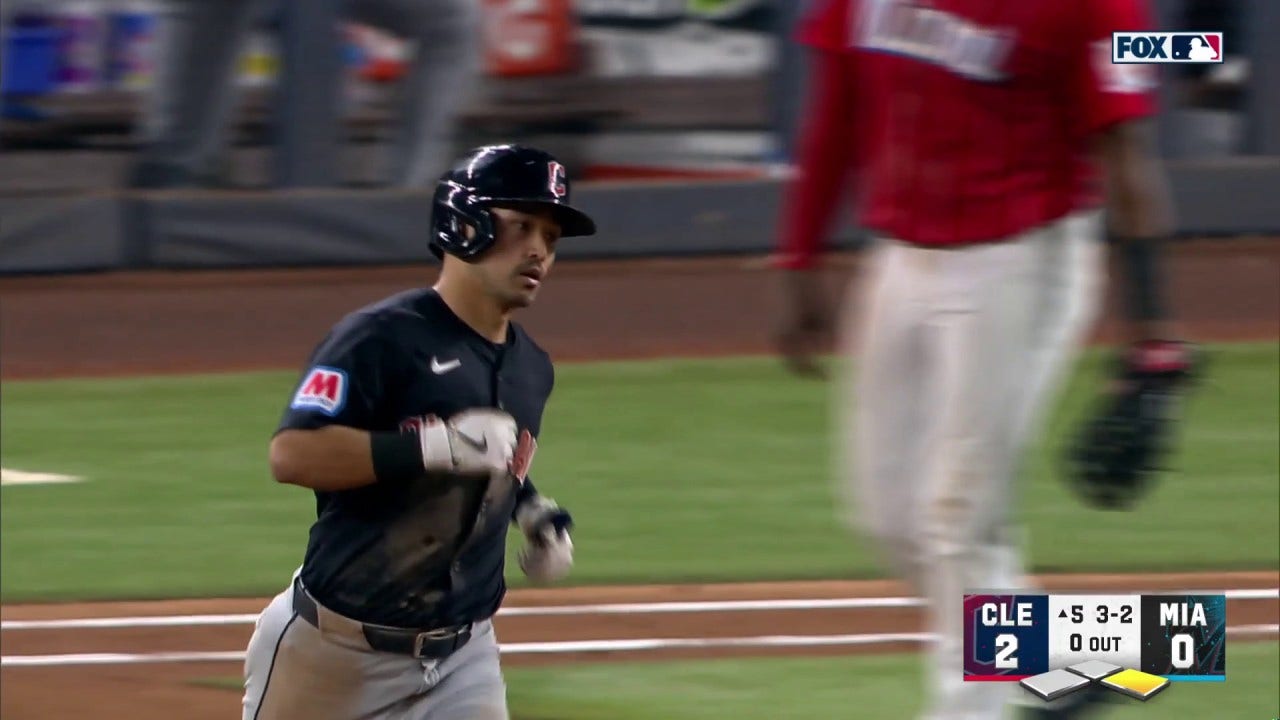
[[324, 390]]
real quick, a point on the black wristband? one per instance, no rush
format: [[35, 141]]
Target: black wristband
[[1141, 258], [525, 492], [397, 457]]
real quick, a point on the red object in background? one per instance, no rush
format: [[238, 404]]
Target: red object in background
[[376, 56], [528, 37], [383, 70]]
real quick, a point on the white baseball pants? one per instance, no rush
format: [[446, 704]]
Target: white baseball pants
[[956, 354]]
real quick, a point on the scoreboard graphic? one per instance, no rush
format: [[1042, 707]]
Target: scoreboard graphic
[[1056, 644]]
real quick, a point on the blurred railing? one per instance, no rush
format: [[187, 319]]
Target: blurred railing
[[1219, 111], [621, 82], [1227, 110], [653, 104]]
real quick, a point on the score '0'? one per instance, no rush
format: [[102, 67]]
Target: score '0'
[[1182, 651]]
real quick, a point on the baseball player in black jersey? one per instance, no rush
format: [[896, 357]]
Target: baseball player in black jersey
[[415, 423]]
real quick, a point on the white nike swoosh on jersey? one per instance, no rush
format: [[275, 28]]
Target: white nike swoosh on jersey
[[440, 368]]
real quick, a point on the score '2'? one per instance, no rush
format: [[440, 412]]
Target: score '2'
[[1007, 645]]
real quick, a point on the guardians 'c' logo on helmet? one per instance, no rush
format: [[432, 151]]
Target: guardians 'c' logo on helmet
[[556, 179]]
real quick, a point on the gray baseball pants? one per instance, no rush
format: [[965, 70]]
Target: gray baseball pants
[[296, 671]]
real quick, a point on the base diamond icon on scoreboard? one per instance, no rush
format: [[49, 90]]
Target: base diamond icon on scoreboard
[[1136, 684], [1095, 669], [1054, 684]]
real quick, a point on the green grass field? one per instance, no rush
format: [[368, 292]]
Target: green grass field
[[885, 687], [675, 470], [875, 687]]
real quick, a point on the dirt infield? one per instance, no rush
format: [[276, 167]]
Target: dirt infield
[[534, 626], [215, 321]]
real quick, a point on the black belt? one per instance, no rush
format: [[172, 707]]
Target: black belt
[[425, 644]]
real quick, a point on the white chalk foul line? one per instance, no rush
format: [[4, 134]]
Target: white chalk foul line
[[544, 611], [119, 658], [549, 648], [9, 476], [702, 606], [131, 622], [550, 610], [529, 648], [1254, 630]]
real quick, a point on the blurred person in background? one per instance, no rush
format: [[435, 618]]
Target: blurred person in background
[[189, 111], [1220, 85], [973, 133]]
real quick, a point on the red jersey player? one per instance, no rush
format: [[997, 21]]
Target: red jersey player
[[975, 134]]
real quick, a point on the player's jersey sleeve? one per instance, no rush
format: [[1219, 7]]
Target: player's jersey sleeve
[[1105, 92], [826, 26], [826, 148], [345, 379]]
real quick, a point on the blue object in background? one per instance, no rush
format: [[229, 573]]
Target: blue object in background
[[131, 37], [30, 60]]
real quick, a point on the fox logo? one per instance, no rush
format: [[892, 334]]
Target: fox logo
[[1166, 47]]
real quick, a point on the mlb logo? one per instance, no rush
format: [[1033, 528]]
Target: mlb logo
[[324, 389], [1148, 48]]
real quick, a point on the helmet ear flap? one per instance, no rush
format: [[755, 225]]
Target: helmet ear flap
[[454, 208]]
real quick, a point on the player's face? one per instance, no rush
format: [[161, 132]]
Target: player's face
[[518, 263]]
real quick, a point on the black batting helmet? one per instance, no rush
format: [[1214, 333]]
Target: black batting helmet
[[499, 175]]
